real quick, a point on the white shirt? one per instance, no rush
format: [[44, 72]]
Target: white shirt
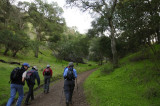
[[24, 74]]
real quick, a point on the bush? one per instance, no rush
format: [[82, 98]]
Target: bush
[[107, 68], [151, 92]]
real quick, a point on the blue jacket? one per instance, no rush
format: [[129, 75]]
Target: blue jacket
[[66, 70]]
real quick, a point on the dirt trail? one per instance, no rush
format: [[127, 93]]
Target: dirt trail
[[56, 95]]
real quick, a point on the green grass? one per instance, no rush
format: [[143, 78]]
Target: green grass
[[40, 62], [133, 83]]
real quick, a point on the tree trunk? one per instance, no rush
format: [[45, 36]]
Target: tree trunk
[[36, 52], [149, 40], [77, 63], [37, 45], [113, 43], [14, 53], [5, 52], [101, 61], [158, 34]]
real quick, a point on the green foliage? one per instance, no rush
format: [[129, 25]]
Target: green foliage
[[13, 41], [46, 19], [100, 48], [71, 49], [106, 69], [131, 84], [138, 27], [94, 49]]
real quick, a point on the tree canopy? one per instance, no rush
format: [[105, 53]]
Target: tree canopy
[[119, 27]]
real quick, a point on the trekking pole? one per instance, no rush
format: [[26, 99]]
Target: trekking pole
[[77, 85], [61, 97]]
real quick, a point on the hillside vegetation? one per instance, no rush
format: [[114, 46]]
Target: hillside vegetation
[[135, 82], [41, 62]]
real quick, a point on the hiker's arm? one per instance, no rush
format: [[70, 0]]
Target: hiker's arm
[[23, 79], [43, 72], [24, 76], [65, 73], [38, 79], [51, 72], [75, 73]]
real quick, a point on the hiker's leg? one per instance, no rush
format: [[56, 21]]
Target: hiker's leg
[[12, 95], [66, 90], [28, 95], [48, 82], [20, 92], [32, 95], [45, 83], [71, 90]]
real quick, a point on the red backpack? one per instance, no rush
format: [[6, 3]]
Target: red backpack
[[47, 72]]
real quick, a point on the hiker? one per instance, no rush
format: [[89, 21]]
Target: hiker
[[69, 75], [30, 78], [47, 73], [17, 84]]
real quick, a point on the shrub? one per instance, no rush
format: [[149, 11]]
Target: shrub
[[107, 68]]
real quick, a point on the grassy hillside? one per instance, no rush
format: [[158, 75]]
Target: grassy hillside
[[135, 82], [41, 62]]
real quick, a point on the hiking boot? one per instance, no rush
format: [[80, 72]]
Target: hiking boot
[[70, 102], [67, 103], [32, 99], [27, 103]]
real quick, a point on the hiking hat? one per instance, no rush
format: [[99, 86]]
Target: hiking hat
[[48, 66], [26, 64], [35, 67], [70, 64]]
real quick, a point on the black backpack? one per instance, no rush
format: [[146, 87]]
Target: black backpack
[[47, 72], [70, 74], [15, 74], [29, 76]]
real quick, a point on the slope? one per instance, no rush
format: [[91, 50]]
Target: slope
[[135, 82]]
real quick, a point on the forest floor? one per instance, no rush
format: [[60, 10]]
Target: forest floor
[[56, 97]]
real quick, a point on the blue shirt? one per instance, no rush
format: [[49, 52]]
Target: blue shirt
[[66, 70]]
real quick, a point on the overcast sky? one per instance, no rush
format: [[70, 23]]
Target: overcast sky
[[73, 17]]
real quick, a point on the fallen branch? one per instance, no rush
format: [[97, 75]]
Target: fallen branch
[[3, 61]]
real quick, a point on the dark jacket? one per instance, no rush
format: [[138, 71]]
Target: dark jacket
[[35, 76]]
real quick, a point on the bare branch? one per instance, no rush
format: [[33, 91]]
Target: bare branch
[[113, 7]]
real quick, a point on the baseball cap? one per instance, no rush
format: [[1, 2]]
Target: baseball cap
[[70, 64], [48, 65], [26, 64], [35, 67]]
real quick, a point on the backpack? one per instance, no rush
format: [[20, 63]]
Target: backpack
[[70, 74], [29, 76], [15, 74], [47, 72]]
